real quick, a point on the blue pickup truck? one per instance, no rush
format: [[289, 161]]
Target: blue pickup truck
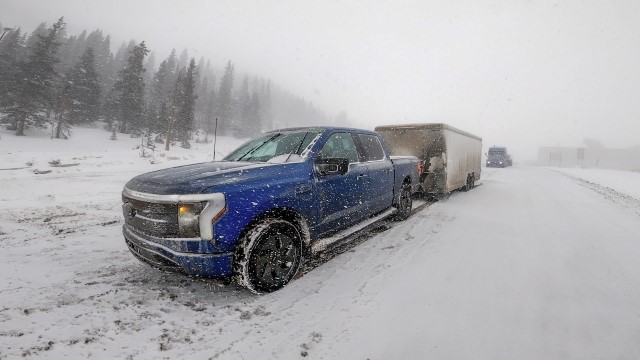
[[271, 203]]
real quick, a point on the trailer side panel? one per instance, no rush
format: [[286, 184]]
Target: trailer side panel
[[463, 159]]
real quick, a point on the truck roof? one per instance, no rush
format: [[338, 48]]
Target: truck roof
[[320, 128], [430, 126]]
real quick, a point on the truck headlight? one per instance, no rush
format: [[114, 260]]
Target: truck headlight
[[195, 219], [198, 212], [188, 219]]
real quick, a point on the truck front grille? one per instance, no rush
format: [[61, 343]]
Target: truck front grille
[[159, 220]]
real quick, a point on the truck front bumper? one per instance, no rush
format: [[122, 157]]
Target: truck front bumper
[[159, 256]]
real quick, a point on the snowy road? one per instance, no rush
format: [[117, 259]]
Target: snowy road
[[533, 264]]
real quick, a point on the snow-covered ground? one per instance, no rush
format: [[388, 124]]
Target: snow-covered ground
[[627, 183], [532, 264]]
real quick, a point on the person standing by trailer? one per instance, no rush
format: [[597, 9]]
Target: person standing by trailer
[[451, 158]]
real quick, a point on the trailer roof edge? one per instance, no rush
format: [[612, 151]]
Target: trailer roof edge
[[430, 126]]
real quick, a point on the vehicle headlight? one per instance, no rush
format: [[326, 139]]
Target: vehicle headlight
[[500, 162], [189, 219], [195, 219]]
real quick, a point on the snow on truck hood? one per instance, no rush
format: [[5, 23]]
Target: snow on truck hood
[[196, 178]]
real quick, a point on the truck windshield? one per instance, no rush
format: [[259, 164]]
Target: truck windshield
[[272, 145]]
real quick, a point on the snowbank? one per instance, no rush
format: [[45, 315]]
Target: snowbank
[[625, 182]]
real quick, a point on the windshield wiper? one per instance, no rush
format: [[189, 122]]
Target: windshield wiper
[[251, 151]]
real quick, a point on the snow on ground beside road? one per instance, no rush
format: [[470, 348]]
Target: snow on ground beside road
[[103, 165], [626, 182], [61, 241], [531, 264]]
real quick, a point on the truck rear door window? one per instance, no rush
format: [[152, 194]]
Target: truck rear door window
[[371, 147]]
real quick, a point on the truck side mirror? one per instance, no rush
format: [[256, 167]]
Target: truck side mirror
[[332, 166]]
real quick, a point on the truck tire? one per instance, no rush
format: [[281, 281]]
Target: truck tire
[[405, 203], [269, 256]]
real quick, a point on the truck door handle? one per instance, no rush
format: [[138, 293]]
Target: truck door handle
[[360, 176]]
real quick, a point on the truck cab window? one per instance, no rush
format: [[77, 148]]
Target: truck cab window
[[371, 147], [339, 145]]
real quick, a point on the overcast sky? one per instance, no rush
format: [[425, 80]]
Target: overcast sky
[[517, 73]]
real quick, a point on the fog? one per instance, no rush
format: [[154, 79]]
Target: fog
[[521, 74]]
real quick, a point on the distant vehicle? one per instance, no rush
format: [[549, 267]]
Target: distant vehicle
[[498, 157], [451, 158], [270, 203]]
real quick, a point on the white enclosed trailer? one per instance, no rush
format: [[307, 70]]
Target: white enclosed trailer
[[450, 157]]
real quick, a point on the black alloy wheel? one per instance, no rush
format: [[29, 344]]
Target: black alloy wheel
[[273, 256], [405, 203]]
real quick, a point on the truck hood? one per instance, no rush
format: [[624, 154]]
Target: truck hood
[[196, 178]]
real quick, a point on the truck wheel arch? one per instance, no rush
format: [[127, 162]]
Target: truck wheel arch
[[287, 214]]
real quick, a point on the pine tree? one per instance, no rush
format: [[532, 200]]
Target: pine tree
[[62, 120], [254, 117], [111, 109], [201, 104], [130, 85], [184, 59], [71, 51], [151, 118], [104, 59], [242, 126], [84, 89], [11, 50], [266, 108], [186, 113], [225, 106], [206, 104], [149, 143], [163, 122], [34, 94], [149, 67], [35, 36], [160, 93], [172, 72], [211, 104], [79, 98], [114, 64], [160, 80], [173, 110]]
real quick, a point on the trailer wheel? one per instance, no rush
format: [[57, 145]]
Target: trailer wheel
[[405, 203], [269, 256]]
